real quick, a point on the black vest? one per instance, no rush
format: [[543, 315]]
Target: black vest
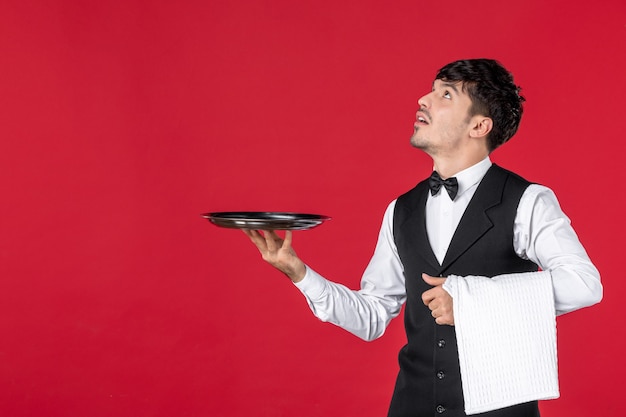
[[429, 381]]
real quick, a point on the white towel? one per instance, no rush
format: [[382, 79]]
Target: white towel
[[506, 335]]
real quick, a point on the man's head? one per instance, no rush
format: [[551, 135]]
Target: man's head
[[492, 92]]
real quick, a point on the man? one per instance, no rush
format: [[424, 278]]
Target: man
[[473, 230]]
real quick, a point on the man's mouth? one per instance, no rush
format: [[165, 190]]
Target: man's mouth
[[422, 118]]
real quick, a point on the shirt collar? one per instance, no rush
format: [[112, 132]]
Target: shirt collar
[[471, 176]]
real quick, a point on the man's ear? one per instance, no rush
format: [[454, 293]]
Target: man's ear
[[481, 126]]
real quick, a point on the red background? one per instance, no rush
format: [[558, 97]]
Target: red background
[[122, 121]]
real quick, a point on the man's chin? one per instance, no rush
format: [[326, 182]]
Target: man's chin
[[416, 142]]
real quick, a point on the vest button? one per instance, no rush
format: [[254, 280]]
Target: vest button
[[441, 343], [441, 375], [441, 409]]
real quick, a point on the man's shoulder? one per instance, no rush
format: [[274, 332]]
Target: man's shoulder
[[526, 191], [420, 190], [508, 172], [512, 177]]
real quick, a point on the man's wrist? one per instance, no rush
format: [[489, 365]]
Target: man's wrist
[[298, 273]]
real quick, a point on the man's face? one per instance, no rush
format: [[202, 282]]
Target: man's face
[[443, 119]]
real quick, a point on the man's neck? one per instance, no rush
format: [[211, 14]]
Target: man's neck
[[449, 167]]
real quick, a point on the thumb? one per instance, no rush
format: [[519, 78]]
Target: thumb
[[434, 281]]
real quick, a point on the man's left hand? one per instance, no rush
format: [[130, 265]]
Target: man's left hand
[[438, 300]]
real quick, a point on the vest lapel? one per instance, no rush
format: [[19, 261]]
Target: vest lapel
[[416, 223], [475, 222]]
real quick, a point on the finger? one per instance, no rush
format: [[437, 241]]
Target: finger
[[251, 233], [434, 305], [256, 238], [434, 281], [288, 239], [275, 237], [439, 317], [428, 296], [272, 240], [445, 319]]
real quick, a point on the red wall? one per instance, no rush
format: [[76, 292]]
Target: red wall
[[122, 121]]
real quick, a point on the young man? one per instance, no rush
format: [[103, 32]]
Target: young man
[[473, 231]]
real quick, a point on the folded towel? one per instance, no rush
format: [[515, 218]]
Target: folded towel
[[506, 335]]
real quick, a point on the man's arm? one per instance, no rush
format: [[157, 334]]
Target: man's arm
[[544, 235], [364, 313]]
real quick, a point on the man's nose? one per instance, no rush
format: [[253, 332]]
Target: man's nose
[[424, 101]]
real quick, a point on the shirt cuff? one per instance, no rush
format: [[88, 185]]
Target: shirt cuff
[[313, 285]]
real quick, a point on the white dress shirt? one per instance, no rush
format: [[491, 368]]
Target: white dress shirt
[[542, 234]]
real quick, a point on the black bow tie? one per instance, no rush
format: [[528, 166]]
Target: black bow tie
[[435, 182]]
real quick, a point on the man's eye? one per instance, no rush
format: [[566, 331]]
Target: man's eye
[[446, 94]]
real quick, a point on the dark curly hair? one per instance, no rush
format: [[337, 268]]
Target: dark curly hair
[[493, 93]]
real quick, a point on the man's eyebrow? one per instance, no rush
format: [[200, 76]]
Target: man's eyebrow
[[451, 86]]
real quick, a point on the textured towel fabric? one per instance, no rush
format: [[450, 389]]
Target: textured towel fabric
[[506, 335]]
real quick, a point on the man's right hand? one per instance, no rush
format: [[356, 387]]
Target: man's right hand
[[278, 252]]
